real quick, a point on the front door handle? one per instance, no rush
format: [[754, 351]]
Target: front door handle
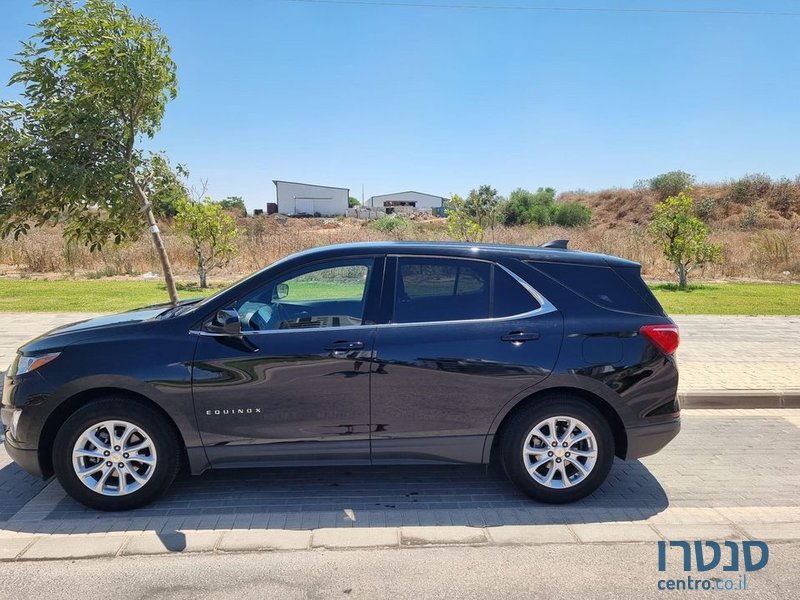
[[337, 347], [520, 337]]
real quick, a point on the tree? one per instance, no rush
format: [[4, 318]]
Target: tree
[[353, 202], [212, 233], [168, 186], [234, 204], [461, 223], [483, 207], [96, 80], [682, 236]]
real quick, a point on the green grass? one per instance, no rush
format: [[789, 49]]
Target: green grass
[[98, 295], [730, 299], [94, 295], [321, 290]]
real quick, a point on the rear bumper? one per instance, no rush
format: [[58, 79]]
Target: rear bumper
[[27, 459], [649, 439]]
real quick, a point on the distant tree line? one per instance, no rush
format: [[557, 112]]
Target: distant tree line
[[469, 218]]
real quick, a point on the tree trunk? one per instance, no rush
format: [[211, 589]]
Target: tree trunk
[[202, 274], [682, 281], [158, 242]]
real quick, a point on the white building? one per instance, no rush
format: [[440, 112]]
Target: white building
[[308, 199], [409, 200]]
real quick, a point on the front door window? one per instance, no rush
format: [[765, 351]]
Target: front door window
[[329, 295]]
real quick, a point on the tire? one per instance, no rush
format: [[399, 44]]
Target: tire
[[152, 463], [522, 450]]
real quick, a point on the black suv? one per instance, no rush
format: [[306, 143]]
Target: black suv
[[548, 360]]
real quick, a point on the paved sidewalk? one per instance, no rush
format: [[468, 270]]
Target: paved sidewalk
[[739, 353], [710, 483]]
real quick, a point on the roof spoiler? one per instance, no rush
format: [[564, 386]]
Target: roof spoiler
[[557, 244]]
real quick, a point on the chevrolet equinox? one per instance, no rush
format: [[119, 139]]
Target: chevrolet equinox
[[547, 360]]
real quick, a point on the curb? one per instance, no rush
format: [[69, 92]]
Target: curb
[[110, 546], [740, 399]]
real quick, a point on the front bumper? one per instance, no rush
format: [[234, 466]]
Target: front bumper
[[649, 439], [27, 459]]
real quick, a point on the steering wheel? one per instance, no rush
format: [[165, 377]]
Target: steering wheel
[[257, 322], [279, 315]]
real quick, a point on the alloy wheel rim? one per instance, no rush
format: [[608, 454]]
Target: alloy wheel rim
[[114, 458], [560, 452]]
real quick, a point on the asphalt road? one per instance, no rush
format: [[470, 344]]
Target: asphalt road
[[546, 571]]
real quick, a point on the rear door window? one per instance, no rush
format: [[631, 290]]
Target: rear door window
[[441, 289], [428, 290]]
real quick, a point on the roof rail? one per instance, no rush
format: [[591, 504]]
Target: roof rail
[[559, 244]]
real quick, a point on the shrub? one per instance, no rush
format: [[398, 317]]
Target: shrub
[[752, 217], [572, 214], [671, 183], [525, 207], [784, 195], [772, 248], [706, 208], [390, 224], [750, 187]]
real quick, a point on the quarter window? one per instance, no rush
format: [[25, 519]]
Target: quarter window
[[601, 285], [510, 298]]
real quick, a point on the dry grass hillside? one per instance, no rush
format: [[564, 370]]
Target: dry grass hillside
[[756, 220]]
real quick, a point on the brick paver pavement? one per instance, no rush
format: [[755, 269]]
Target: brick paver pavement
[[714, 475], [739, 353], [714, 472]]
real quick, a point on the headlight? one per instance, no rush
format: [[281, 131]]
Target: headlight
[[26, 364]]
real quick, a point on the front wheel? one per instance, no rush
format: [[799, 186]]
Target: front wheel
[[115, 454], [558, 450]]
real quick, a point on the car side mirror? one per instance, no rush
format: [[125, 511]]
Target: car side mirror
[[281, 291], [225, 321]]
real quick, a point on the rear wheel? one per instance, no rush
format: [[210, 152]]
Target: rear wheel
[[115, 454], [558, 450]]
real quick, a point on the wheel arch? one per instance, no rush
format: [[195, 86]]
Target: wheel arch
[[66, 408], [612, 417]]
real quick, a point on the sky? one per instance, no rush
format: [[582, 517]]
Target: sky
[[443, 100]]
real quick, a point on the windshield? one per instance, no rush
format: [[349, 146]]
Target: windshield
[[193, 305]]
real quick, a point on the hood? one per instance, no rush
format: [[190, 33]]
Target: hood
[[68, 334]]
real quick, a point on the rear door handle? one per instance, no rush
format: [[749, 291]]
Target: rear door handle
[[344, 346], [520, 337]]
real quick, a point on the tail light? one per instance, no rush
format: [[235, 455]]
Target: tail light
[[663, 337]]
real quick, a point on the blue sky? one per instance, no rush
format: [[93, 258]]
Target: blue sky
[[444, 100]]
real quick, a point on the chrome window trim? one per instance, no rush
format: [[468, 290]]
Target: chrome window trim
[[545, 307]]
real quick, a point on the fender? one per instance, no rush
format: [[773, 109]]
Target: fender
[[175, 400], [558, 381], [169, 401]]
